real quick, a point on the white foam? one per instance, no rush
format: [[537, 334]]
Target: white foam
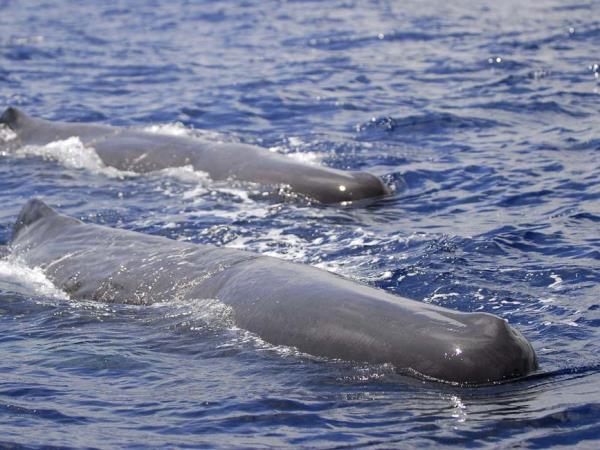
[[299, 153], [557, 281], [71, 153], [195, 193], [241, 337], [169, 129], [198, 191], [187, 174], [311, 158], [459, 410], [197, 313], [6, 134], [440, 297], [248, 207], [26, 40], [179, 129], [273, 243], [16, 276]]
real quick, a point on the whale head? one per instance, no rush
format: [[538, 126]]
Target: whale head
[[335, 186], [488, 350]]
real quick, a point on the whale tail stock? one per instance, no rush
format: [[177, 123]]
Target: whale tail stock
[[33, 210]]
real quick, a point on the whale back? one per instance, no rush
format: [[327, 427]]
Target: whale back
[[35, 131], [140, 151], [282, 302]]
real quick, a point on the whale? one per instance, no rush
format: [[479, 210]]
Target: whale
[[283, 303], [140, 151]]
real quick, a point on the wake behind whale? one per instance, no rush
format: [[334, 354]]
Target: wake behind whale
[[140, 151], [283, 303]]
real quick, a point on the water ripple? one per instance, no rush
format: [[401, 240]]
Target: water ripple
[[482, 117]]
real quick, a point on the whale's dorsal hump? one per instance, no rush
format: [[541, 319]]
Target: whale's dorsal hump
[[33, 210], [13, 117]]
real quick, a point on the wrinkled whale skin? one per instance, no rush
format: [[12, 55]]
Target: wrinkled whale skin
[[284, 303], [140, 151]]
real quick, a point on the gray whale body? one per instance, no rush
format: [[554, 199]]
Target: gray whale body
[[284, 303], [140, 151]]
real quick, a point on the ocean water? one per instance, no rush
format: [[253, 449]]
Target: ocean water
[[482, 116]]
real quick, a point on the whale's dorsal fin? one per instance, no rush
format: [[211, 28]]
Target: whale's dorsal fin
[[33, 210], [13, 117]]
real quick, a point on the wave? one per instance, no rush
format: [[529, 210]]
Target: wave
[[17, 277], [430, 123], [73, 154]]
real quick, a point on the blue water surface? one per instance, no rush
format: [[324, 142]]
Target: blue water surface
[[484, 118]]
